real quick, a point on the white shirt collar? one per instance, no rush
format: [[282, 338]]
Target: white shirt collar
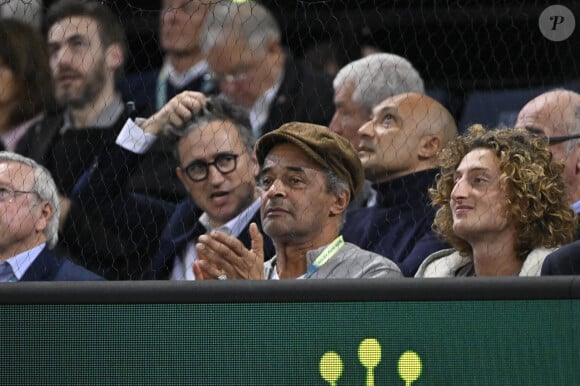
[[236, 225], [182, 266], [261, 108], [180, 80]]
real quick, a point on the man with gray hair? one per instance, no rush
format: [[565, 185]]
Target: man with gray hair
[[556, 116], [242, 43], [361, 85], [358, 88], [29, 224], [399, 149]]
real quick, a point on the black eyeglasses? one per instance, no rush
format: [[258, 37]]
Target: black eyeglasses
[[551, 140], [9, 195], [562, 138], [199, 170]]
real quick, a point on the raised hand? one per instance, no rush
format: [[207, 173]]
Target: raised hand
[[180, 109]]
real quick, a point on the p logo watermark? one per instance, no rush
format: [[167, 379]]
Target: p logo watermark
[[557, 23]]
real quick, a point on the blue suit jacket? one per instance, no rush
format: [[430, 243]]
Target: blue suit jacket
[[160, 229], [399, 226], [46, 267]]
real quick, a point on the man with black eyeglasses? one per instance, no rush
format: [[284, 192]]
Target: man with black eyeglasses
[[556, 115], [217, 168]]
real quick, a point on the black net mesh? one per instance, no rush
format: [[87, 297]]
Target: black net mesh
[[482, 60]]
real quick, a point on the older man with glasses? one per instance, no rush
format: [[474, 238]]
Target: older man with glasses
[[556, 115], [243, 45], [217, 168], [29, 209]]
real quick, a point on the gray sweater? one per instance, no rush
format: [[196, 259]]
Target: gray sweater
[[349, 262]]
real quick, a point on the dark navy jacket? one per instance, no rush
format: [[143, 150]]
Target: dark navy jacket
[[399, 226], [304, 95], [160, 229], [67, 156], [563, 261], [47, 267], [142, 88]]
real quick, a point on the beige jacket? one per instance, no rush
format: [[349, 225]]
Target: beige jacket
[[447, 262]]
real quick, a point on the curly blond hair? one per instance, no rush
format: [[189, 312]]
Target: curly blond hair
[[535, 191]]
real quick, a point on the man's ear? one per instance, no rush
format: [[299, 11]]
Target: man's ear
[[46, 213], [341, 201], [576, 153], [181, 177], [114, 56], [255, 167], [429, 146]]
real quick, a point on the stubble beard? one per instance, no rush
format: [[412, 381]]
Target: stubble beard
[[87, 92]]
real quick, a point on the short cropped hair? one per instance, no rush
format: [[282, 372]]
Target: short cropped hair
[[109, 26], [24, 53], [45, 187], [377, 77], [337, 185], [536, 193], [248, 20]]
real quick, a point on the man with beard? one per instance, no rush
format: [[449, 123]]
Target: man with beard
[[184, 66], [86, 45]]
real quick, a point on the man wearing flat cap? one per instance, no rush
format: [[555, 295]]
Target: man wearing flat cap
[[308, 177]]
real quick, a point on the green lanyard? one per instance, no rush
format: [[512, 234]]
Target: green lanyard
[[326, 255]]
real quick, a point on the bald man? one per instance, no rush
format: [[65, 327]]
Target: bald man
[[398, 149], [556, 115]]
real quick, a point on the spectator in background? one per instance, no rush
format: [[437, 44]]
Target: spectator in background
[[308, 175], [86, 45], [29, 11], [26, 86], [398, 148], [361, 85], [29, 224], [243, 48], [184, 66], [217, 167], [502, 206], [324, 56], [556, 116]]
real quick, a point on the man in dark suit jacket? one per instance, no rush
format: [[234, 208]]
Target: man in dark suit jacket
[[184, 65], [243, 49], [563, 261], [29, 224], [92, 114], [217, 168]]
